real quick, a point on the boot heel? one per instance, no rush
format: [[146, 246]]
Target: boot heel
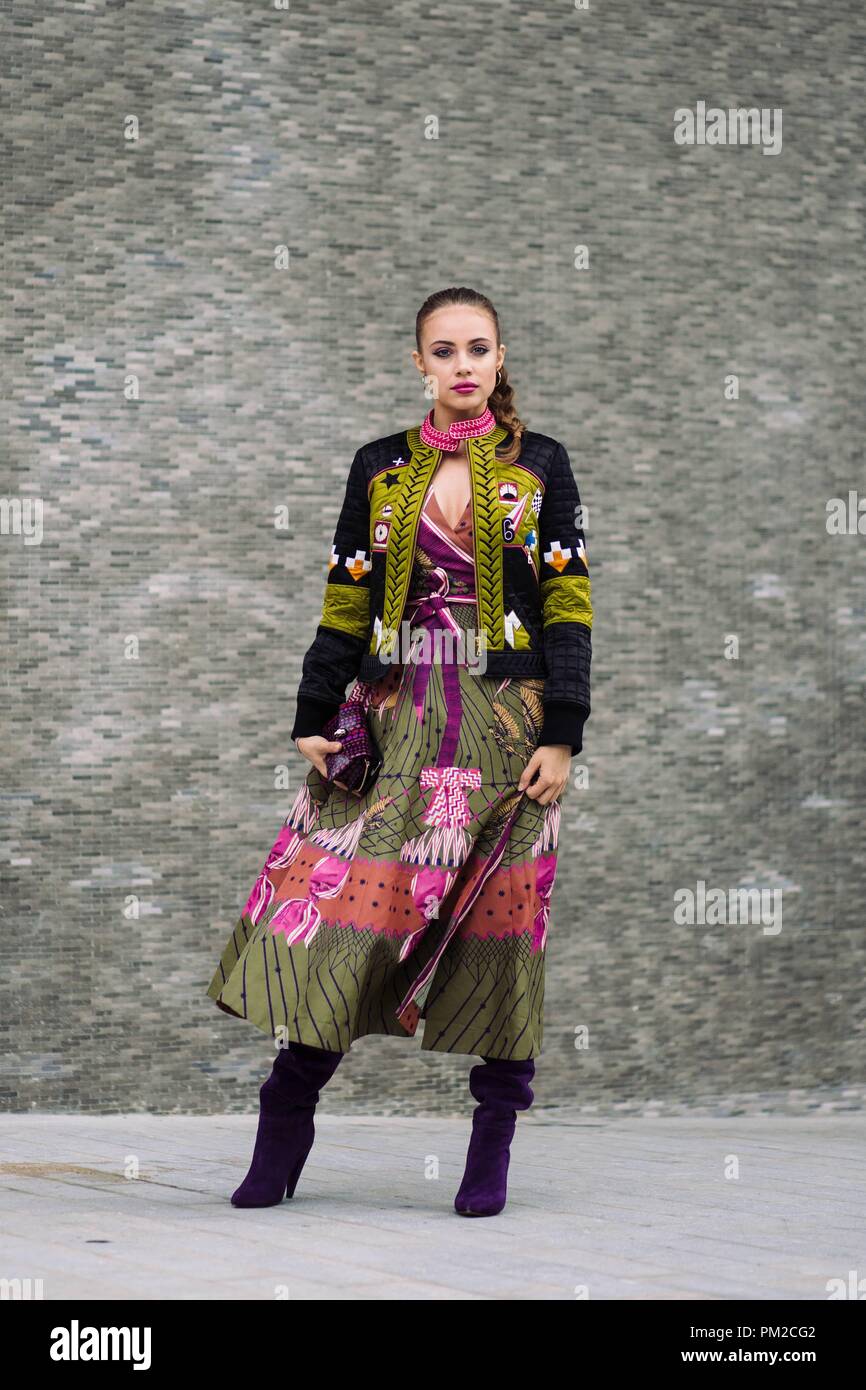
[[295, 1172]]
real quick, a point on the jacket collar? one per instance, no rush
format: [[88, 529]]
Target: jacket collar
[[486, 525]]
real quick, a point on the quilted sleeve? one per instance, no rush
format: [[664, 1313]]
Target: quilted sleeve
[[341, 639], [566, 607]]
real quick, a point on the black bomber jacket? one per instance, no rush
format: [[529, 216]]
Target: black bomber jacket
[[534, 614]]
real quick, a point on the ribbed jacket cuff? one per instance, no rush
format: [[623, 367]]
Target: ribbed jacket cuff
[[563, 723], [311, 716]]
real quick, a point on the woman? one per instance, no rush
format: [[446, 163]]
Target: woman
[[458, 602]]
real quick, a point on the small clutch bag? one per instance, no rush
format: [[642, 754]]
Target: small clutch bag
[[358, 762]]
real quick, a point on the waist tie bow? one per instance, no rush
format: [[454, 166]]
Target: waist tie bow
[[431, 611]]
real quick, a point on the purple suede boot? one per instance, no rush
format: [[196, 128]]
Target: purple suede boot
[[503, 1088], [286, 1131]]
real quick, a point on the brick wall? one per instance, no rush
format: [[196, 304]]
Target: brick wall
[[170, 382]]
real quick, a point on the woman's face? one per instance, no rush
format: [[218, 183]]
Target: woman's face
[[459, 349]]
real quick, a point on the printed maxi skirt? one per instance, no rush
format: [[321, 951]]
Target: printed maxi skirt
[[429, 896]]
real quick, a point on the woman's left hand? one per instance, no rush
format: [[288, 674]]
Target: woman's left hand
[[552, 762]]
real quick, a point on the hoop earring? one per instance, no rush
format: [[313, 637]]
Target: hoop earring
[[498, 376]]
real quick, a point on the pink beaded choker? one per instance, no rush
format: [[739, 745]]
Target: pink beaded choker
[[457, 430]]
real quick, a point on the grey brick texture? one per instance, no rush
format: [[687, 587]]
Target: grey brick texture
[[219, 223]]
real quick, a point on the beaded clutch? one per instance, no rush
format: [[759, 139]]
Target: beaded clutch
[[357, 764]]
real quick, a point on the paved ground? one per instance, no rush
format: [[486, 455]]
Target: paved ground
[[599, 1208]]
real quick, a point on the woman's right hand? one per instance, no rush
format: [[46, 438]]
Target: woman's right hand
[[314, 749]]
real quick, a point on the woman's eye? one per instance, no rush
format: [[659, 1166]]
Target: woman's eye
[[445, 352]]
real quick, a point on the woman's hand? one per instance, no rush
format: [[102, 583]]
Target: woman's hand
[[552, 762], [314, 749]]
